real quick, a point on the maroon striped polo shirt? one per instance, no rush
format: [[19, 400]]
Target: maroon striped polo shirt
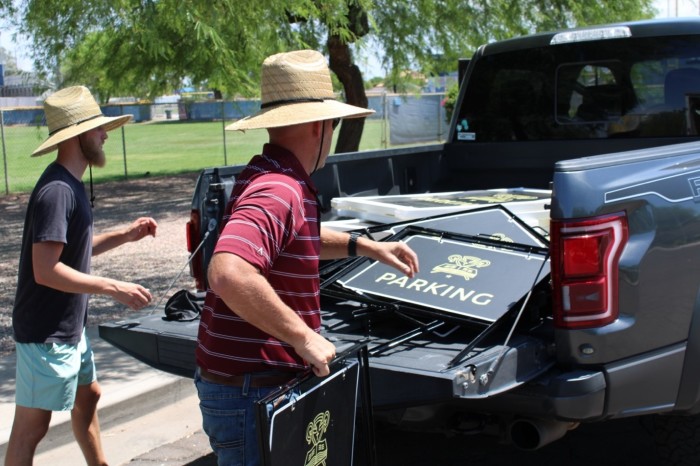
[[272, 222]]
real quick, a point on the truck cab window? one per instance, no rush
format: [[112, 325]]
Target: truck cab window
[[594, 96], [644, 87]]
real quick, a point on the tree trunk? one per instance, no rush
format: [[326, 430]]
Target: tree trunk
[[351, 78]]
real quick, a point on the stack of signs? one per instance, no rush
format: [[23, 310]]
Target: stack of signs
[[495, 223], [529, 204]]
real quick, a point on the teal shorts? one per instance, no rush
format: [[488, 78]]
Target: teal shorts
[[48, 374]]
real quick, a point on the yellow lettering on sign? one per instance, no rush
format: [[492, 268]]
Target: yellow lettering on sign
[[435, 288]]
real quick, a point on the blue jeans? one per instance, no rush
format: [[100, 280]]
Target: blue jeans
[[229, 420]]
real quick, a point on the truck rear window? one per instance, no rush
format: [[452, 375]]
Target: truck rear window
[[613, 89]]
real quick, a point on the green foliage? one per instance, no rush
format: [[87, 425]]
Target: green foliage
[[450, 101], [145, 48], [372, 82], [405, 82], [431, 36], [8, 60]]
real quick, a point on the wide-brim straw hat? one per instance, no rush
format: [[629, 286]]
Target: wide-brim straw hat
[[296, 88], [73, 111]]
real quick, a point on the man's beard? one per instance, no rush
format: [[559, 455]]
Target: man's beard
[[93, 152]]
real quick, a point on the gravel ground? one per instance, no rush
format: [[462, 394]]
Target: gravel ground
[[152, 262]]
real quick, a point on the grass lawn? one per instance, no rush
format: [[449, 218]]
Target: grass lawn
[[150, 149]]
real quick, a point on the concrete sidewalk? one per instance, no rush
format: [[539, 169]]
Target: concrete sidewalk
[[141, 409]]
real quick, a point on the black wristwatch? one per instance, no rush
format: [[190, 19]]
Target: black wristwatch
[[352, 244]]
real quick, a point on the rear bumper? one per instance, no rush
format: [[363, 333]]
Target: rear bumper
[[644, 384], [575, 396]]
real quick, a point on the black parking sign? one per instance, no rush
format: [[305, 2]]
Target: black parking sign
[[312, 423]]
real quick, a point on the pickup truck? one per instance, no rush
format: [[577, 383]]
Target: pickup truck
[[558, 229]]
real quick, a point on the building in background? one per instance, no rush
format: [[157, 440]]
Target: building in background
[[19, 89]]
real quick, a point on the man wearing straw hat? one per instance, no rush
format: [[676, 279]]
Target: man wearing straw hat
[[55, 366], [261, 318]]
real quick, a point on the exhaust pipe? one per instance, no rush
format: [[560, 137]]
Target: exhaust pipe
[[531, 434]]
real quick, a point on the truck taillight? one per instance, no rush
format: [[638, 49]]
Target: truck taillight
[[193, 231], [585, 257], [193, 237]]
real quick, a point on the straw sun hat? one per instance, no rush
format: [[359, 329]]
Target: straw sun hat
[[73, 111], [296, 88]]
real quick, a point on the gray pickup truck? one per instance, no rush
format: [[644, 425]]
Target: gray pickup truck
[[558, 230]]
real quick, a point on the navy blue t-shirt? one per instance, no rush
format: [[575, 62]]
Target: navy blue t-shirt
[[58, 211]]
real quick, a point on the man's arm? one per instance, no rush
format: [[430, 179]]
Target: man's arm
[[334, 245], [51, 272], [241, 286], [139, 229]]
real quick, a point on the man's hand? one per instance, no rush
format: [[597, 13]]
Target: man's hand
[[396, 254], [317, 352], [142, 227], [132, 295]]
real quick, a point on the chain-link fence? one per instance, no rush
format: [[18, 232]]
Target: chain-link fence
[[182, 137]]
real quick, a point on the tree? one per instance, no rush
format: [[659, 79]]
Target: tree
[[8, 61], [147, 47]]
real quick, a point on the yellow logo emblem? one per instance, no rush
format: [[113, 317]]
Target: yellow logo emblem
[[501, 237], [463, 266], [318, 454]]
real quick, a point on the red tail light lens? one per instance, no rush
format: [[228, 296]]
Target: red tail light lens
[[585, 259], [193, 231], [193, 237], [582, 255]]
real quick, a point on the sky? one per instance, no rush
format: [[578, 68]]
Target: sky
[[670, 8], [369, 65]]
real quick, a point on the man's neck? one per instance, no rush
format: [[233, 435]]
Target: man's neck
[[72, 160], [301, 140]]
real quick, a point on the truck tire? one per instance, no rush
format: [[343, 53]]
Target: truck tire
[[677, 439]]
